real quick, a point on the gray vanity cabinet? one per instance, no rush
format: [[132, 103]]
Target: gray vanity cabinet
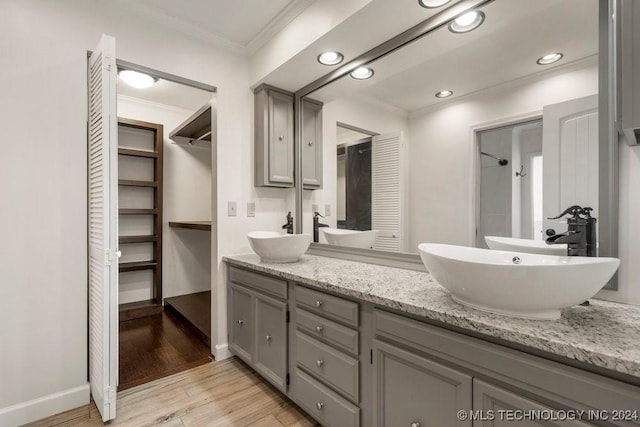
[[258, 323], [490, 400], [412, 391], [311, 144], [273, 127]]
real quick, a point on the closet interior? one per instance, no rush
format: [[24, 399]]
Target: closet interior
[[165, 134]]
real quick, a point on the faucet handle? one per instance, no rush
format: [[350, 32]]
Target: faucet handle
[[586, 211], [318, 214], [573, 210]]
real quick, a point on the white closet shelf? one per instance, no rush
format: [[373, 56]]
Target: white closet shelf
[[196, 129]]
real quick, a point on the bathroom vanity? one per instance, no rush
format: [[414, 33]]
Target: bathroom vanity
[[356, 344]]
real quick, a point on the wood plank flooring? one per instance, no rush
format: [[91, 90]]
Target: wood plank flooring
[[195, 309], [225, 393], [156, 346]]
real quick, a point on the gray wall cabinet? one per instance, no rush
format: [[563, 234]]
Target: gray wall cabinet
[[273, 135], [351, 363], [311, 144]]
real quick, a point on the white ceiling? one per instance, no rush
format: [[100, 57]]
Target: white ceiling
[[241, 25], [514, 35], [168, 93]]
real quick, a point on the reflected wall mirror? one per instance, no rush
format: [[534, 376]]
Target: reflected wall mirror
[[462, 135]]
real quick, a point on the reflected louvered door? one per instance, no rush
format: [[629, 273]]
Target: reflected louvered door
[[103, 227], [386, 189]]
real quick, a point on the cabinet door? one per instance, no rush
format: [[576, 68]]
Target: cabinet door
[[270, 358], [492, 402], [241, 322], [312, 144], [411, 391], [280, 138]]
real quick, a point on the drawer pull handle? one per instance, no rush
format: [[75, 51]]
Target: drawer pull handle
[[310, 143], [268, 337], [319, 363], [319, 303], [240, 322], [319, 329], [281, 137], [416, 424], [320, 405]]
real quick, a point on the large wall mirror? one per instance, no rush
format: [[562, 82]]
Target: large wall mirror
[[457, 136]]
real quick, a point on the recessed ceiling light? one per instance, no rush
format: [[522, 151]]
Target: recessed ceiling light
[[330, 58], [444, 94], [362, 73], [467, 22], [429, 4], [550, 58], [136, 79]]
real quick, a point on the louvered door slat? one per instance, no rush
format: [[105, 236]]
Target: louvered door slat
[[386, 190]]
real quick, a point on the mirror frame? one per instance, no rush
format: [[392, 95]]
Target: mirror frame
[[608, 134]]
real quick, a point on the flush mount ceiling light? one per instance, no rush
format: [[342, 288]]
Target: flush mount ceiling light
[[444, 94], [330, 58], [430, 4], [362, 73], [136, 79], [467, 22], [550, 58]]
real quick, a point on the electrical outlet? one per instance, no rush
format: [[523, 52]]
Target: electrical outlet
[[327, 210], [251, 209], [232, 209], [315, 208]]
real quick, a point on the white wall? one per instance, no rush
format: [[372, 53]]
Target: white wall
[[441, 151], [186, 257], [362, 112], [43, 258]]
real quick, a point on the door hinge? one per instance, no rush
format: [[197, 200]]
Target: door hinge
[[288, 316], [288, 380], [371, 356], [109, 395]]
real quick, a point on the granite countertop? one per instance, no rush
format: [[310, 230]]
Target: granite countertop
[[604, 334]]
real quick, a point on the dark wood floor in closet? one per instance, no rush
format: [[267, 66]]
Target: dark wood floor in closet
[[195, 310], [157, 346]]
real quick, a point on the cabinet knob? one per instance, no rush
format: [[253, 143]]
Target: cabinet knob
[[416, 424], [319, 329], [319, 303], [281, 137], [268, 337], [320, 405], [319, 363], [240, 322], [310, 143]]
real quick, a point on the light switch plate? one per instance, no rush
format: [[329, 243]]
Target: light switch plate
[[251, 209], [327, 210], [315, 208], [232, 209]]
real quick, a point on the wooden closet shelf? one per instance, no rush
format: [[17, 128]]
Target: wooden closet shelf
[[137, 211], [133, 183], [137, 153], [137, 266], [138, 309], [137, 239], [193, 225]]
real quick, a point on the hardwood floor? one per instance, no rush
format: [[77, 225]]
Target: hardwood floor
[[194, 309], [225, 393], [156, 346]]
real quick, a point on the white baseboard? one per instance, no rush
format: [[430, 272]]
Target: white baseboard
[[52, 404], [221, 352]]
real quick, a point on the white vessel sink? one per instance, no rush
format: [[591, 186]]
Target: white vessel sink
[[524, 245], [351, 238], [272, 246], [516, 284]]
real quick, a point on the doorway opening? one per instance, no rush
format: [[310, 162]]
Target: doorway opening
[[165, 136]]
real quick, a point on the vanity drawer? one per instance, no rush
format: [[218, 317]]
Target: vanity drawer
[[325, 329], [266, 284], [327, 305], [325, 405], [333, 367]]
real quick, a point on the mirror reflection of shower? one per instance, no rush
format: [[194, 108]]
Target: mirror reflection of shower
[[510, 185]]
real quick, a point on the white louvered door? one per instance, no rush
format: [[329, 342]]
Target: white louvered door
[[387, 183], [103, 227]]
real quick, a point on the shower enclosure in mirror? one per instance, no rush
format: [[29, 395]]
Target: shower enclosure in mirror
[[461, 135]]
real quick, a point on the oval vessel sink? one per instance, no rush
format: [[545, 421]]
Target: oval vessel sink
[[517, 284], [351, 238], [524, 245], [272, 246]]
